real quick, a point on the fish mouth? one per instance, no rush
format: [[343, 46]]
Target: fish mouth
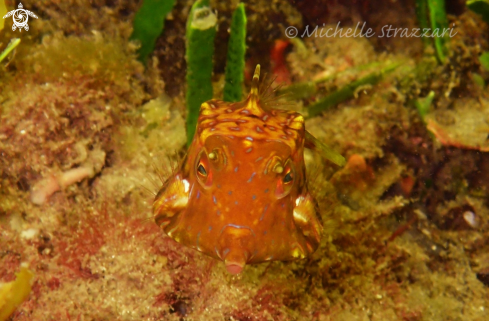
[[234, 268], [236, 260]]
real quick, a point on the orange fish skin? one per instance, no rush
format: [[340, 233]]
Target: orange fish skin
[[240, 195]]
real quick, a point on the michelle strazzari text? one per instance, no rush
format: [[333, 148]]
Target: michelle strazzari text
[[387, 31]]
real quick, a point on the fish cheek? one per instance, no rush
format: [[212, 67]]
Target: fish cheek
[[307, 221]]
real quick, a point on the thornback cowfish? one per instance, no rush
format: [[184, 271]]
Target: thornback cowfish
[[240, 194]]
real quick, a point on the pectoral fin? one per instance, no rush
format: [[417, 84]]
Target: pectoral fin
[[307, 220], [171, 200], [323, 150]]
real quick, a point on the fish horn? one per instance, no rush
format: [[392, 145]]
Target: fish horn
[[252, 104], [255, 82]]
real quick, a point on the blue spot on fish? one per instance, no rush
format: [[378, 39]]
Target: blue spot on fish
[[249, 138], [230, 192], [249, 150], [197, 242], [253, 197], [236, 169], [266, 167], [251, 177], [198, 194], [266, 191], [210, 228], [214, 199], [258, 159], [264, 211], [218, 212]]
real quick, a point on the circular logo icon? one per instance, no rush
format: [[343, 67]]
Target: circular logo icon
[[291, 32]]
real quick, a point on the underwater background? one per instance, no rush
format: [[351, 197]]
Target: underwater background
[[98, 101]]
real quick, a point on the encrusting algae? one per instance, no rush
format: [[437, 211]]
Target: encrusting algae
[[240, 195]]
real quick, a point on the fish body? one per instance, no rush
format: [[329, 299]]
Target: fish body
[[240, 195]]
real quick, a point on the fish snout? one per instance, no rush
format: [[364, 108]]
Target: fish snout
[[235, 246]]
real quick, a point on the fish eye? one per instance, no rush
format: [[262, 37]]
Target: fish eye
[[285, 179], [201, 170], [288, 178]]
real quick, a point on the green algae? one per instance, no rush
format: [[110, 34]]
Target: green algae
[[484, 60], [235, 62], [307, 89], [11, 46], [200, 34], [431, 15], [423, 105], [439, 22], [480, 7], [3, 11], [348, 91], [148, 25]]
